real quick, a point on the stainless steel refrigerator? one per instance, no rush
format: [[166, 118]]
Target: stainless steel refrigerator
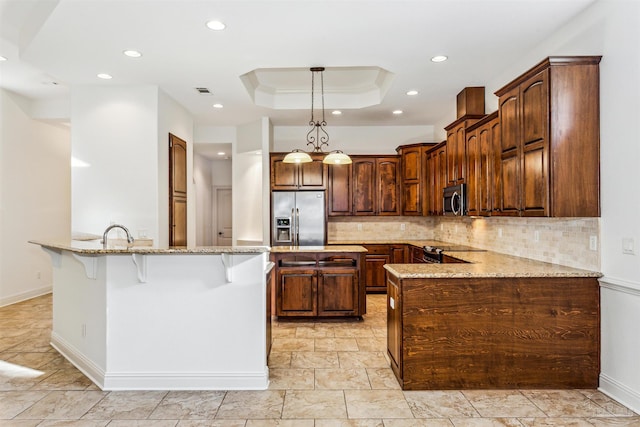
[[298, 218]]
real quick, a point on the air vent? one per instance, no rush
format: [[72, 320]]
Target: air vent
[[203, 91]]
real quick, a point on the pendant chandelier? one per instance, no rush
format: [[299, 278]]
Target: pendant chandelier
[[317, 137]]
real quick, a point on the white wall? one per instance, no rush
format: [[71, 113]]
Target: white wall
[[115, 130], [35, 197], [354, 139]]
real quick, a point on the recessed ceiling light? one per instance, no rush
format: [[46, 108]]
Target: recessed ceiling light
[[132, 53], [220, 153], [218, 105], [105, 76], [216, 25], [2, 58], [336, 112], [412, 92], [397, 112], [439, 58]]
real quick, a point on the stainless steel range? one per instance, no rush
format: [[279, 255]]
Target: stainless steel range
[[436, 255]]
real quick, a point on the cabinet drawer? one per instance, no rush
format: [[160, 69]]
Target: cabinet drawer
[[377, 249]]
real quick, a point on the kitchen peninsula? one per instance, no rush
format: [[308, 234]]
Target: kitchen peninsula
[[148, 318], [493, 322]]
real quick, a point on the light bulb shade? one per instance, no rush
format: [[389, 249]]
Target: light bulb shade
[[297, 156], [337, 158]]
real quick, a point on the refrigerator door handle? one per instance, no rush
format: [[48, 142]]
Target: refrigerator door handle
[[297, 226], [293, 227]]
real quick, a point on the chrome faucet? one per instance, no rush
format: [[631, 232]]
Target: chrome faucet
[[126, 230]]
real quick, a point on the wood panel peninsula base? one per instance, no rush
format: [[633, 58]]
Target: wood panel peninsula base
[[147, 318], [493, 332], [319, 281]]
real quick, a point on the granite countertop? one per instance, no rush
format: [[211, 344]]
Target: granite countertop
[[94, 247], [418, 243], [308, 249], [486, 264]]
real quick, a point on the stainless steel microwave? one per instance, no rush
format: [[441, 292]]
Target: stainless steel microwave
[[454, 200]]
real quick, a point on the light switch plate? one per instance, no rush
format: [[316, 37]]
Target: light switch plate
[[628, 246]]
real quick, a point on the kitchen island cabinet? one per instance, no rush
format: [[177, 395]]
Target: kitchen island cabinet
[[526, 324], [319, 281], [162, 318]]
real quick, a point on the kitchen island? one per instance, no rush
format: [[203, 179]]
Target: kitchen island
[[149, 318], [319, 281], [495, 322]]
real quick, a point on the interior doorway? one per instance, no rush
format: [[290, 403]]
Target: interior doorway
[[177, 191], [224, 233]]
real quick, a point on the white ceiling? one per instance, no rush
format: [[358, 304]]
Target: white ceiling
[[52, 46]]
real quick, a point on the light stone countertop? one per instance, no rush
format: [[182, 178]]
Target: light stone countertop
[[486, 264], [308, 249], [94, 247]]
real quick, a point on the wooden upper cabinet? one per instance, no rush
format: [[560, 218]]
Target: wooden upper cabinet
[[376, 185], [456, 149], [549, 133], [303, 176], [436, 177], [340, 190], [414, 178], [481, 166]]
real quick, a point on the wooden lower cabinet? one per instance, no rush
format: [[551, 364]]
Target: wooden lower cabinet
[[377, 256], [493, 333], [329, 285]]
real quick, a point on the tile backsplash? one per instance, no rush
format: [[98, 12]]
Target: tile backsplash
[[562, 241]]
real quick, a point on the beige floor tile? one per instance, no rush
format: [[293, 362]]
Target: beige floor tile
[[312, 332], [615, 422], [305, 404], [280, 359], [342, 379], [565, 403], [350, 423], [251, 404], [127, 405], [143, 423], [486, 422], [14, 402], [502, 403], [354, 332], [63, 405], [291, 379], [178, 405], [382, 379], [280, 423], [362, 359], [20, 423], [75, 423], [424, 422], [211, 423], [314, 359], [65, 379], [336, 344], [292, 344], [608, 404], [439, 404], [372, 344], [559, 422], [377, 404], [32, 360]]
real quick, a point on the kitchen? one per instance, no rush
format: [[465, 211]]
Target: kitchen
[[565, 241]]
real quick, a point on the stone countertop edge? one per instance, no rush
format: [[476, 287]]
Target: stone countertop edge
[[316, 249], [95, 248], [487, 264]]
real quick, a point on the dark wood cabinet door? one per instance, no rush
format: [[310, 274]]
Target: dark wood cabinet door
[[397, 254], [177, 191], [411, 167], [534, 110], [509, 196], [394, 327], [388, 186], [292, 176], [338, 292], [296, 293], [375, 273], [340, 191], [473, 173], [441, 167], [364, 185]]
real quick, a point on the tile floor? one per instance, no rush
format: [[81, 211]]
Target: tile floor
[[323, 374]]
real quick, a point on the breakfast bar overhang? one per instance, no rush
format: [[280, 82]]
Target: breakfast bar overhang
[[144, 318]]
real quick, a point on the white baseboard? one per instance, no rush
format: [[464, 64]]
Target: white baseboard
[[112, 381], [620, 392], [25, 295]]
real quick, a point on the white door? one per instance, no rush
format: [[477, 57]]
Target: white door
[[223, 215]]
